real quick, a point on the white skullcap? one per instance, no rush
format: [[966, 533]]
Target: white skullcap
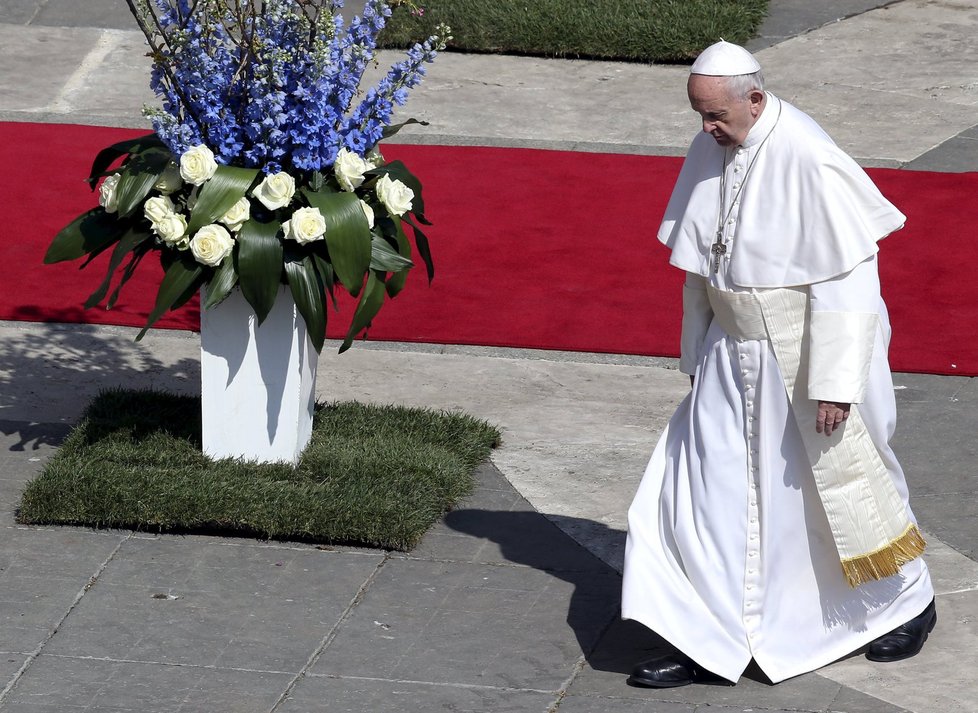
[[724, 59]]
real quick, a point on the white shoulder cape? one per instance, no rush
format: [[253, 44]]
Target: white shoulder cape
[[807, 213]]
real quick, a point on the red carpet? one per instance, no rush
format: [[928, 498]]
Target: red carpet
[[540, 249]]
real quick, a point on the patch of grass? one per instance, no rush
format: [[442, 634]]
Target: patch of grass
[[371, 475], [638, 30]]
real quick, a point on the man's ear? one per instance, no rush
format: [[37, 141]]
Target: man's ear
[[756, 99]]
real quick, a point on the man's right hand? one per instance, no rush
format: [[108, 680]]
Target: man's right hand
[[831, 414]]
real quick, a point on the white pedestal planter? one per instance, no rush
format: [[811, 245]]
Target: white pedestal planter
[[257, 382]]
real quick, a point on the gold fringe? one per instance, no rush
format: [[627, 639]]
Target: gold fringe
[[887, 560]]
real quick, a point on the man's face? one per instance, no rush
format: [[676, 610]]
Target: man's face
[[726, 118]]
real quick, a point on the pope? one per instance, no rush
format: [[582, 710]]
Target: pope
[[773, 521]]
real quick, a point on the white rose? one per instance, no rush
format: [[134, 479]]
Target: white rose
[[349, 168], [305, 225], [367, 211], [107, 197], [170, 180], [171, 228], [157, 208], [395, 196], [374, 158], [276, 190], [197, 165], [211, 244], [237, 215]]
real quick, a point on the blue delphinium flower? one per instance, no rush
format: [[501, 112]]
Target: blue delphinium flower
[[274, 87]]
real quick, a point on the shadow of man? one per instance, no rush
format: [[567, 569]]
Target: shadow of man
[[526, 537]]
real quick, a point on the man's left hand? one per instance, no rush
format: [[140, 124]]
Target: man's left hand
[[831, 414]]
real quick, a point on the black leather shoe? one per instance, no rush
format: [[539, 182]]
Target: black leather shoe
[[906, 640], [668, 671]]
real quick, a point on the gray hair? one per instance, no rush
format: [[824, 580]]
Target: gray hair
[[740, 85]]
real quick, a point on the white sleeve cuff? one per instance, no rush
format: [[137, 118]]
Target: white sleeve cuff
[[840, 353]]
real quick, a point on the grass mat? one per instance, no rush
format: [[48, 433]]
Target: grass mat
[[639, 30], [371, 475]]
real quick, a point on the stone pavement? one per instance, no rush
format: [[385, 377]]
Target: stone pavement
[[509, 604]]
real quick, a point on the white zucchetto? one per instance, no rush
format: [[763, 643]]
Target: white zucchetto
[[724, 59]]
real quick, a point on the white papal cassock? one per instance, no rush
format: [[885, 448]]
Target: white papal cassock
[[730, 555]]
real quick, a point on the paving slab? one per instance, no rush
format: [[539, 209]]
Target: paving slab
[[199, 601], [939, 678], [42, 573], [67, 684], [956, 155], [787, 19], [62, 50], [467, 624], [378, 695]]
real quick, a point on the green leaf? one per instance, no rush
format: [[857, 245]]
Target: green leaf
[[347, 236], [370, 303], [394, 226], [221, 284], [90, 233], [127, 272], [385, 258], [259, 265], [424, 250], [399, 172], [225, 188], [183, 275], [394, 128], [325, 271], [137, 178], [107, 156], [307, 291], [127, 243]]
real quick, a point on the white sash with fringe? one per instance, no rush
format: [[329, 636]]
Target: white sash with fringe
[[870, 525]]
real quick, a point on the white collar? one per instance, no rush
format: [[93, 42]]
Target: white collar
[[765, 122]]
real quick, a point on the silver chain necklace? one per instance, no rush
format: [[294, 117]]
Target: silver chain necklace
[[719, 248]]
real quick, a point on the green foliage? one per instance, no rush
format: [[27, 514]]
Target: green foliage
[[371, 475], [259, 265], [261, 258], [639, 30]]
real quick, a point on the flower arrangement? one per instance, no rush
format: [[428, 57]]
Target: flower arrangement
[[263, 168]]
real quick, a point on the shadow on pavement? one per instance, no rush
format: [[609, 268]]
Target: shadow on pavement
[[531, 539], [50, 372]]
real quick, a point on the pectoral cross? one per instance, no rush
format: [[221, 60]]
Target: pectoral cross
[[719, 249]]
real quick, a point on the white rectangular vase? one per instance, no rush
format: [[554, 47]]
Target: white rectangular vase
[[257, 382]]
